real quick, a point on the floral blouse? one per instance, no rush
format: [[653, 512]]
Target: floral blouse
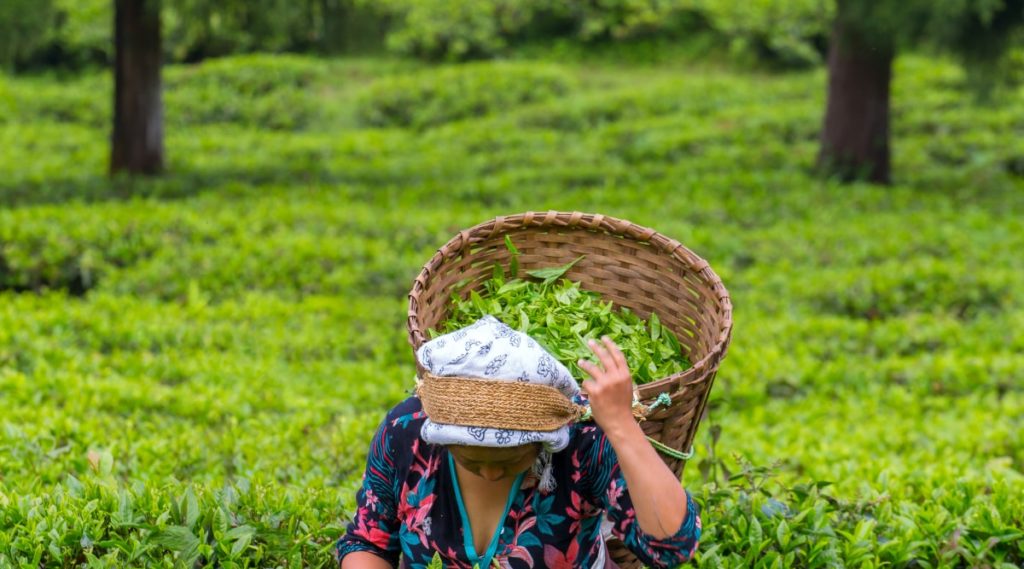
[[410, 505]]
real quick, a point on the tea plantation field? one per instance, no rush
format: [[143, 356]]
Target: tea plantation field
[[191, 368]]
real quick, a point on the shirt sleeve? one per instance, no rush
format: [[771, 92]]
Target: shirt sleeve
[[375, 526], [607, 486]]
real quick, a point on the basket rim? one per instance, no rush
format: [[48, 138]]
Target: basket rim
[[699, 371]]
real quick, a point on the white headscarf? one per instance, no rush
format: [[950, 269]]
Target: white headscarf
[[492, 350]]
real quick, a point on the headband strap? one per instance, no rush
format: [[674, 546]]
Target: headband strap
[[474, 402]]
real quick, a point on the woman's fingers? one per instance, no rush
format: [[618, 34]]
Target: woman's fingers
[[591, 368], [610, 355], [601, 350], [616, 353], [612, 361]]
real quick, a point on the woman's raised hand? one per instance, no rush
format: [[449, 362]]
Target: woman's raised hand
[[610, 388]]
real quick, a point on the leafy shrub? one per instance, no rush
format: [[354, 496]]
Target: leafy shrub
[[763, 522], [463, 29], [211, 396], [84, 35], [23, 25], [455, 29], [249, 76], [272, 92], [452, 93], [42, 251], [786, 32], [85, 100], [924, 285]]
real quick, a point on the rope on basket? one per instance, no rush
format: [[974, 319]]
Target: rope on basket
[[671, 451], [641, 412]]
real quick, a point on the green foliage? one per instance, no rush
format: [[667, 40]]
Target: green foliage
[[980, 32], [23, 27], [192, 367], [197, 29], [76, 34], [771, 524], [773, 30], [239, 525], [271, 92], [442, 95], [459, 29], [785, 33], [623, 19], [778, 31], [84, 34], [562, 318]]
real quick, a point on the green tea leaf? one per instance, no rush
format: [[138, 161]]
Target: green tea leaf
[[106, 465], [513, 264], [553, 274], [190, 508], [563, 317], [242, 536], [180, 540]]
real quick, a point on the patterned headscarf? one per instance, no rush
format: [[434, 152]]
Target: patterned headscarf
[[490, 349]]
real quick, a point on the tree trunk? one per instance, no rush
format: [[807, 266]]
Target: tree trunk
[[855, 137], [137, 146]]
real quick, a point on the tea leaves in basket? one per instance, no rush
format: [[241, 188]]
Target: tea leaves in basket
[[562, 317]]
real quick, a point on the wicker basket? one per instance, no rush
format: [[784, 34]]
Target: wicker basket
[[628, 264]]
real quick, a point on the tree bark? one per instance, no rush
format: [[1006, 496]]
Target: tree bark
[[137, 146], [855, 137]]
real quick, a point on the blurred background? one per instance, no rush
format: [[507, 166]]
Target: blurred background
[[211, 213]]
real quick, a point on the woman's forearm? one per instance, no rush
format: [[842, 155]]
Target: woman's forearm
[[658, 497], [364, 560]]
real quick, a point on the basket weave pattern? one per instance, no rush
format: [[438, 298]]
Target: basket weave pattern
[[630, 265]]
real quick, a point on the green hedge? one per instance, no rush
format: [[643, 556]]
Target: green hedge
[[76, 34]]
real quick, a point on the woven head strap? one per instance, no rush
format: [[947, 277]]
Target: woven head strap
[[474, 402]]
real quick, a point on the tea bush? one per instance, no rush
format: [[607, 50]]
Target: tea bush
[[437, 96], [265, 91], [191, 367]]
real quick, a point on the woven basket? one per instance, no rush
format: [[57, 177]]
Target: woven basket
[[628, 264]]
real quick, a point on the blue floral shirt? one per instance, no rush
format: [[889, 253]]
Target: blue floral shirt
[[409, 507]]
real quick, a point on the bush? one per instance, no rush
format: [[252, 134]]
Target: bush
[[194, 365], [85, 100], [24, 25], [789, 34], [42, 251], [454, 29], [452, 93], [784, 32], [921, 285], [464, 29], [256, 90], [84, 35], [261, 90]]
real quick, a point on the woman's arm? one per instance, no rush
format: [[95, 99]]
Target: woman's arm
[[371, 537], [658, 497], [364, 560]]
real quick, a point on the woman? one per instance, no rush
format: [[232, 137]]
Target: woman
[[490, 477]]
